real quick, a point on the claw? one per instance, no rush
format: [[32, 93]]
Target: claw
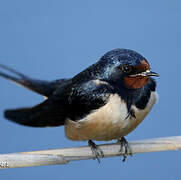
[[124, 145], [96, 151]]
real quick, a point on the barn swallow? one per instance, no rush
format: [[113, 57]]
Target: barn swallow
[[104, 102]]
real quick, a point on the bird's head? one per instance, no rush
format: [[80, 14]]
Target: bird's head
[[126, 67]]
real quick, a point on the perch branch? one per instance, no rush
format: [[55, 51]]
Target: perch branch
[[64, 156]]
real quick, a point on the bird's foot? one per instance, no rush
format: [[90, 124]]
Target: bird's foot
[[96, 151], [124, 146]]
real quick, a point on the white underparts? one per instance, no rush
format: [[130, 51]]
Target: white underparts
[[109, 122]]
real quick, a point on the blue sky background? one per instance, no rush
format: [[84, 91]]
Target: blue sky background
[[55, 39]]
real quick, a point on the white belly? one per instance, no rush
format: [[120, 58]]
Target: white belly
[[109, 122]]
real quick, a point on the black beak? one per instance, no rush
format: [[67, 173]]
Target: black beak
[[152, 74]]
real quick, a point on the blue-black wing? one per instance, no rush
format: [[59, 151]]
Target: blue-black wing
[[52, 112], [69, 101], [88, 97]]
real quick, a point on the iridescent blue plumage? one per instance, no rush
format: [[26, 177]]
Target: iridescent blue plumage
[[89, 90]]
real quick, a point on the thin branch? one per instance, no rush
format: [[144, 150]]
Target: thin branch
[[63, 156]]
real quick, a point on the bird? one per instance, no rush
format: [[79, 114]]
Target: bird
[[104, 102]]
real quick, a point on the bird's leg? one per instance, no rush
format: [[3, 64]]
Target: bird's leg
[[124, 145], [96, 151]]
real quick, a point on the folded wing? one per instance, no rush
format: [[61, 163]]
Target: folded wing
[[49, 113]]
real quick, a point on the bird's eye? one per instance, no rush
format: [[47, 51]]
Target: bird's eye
[[127, 68]]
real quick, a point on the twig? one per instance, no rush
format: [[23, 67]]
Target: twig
[[63, 156]]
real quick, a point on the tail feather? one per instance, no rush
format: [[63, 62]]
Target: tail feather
[[41, 115], [45, 88]]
